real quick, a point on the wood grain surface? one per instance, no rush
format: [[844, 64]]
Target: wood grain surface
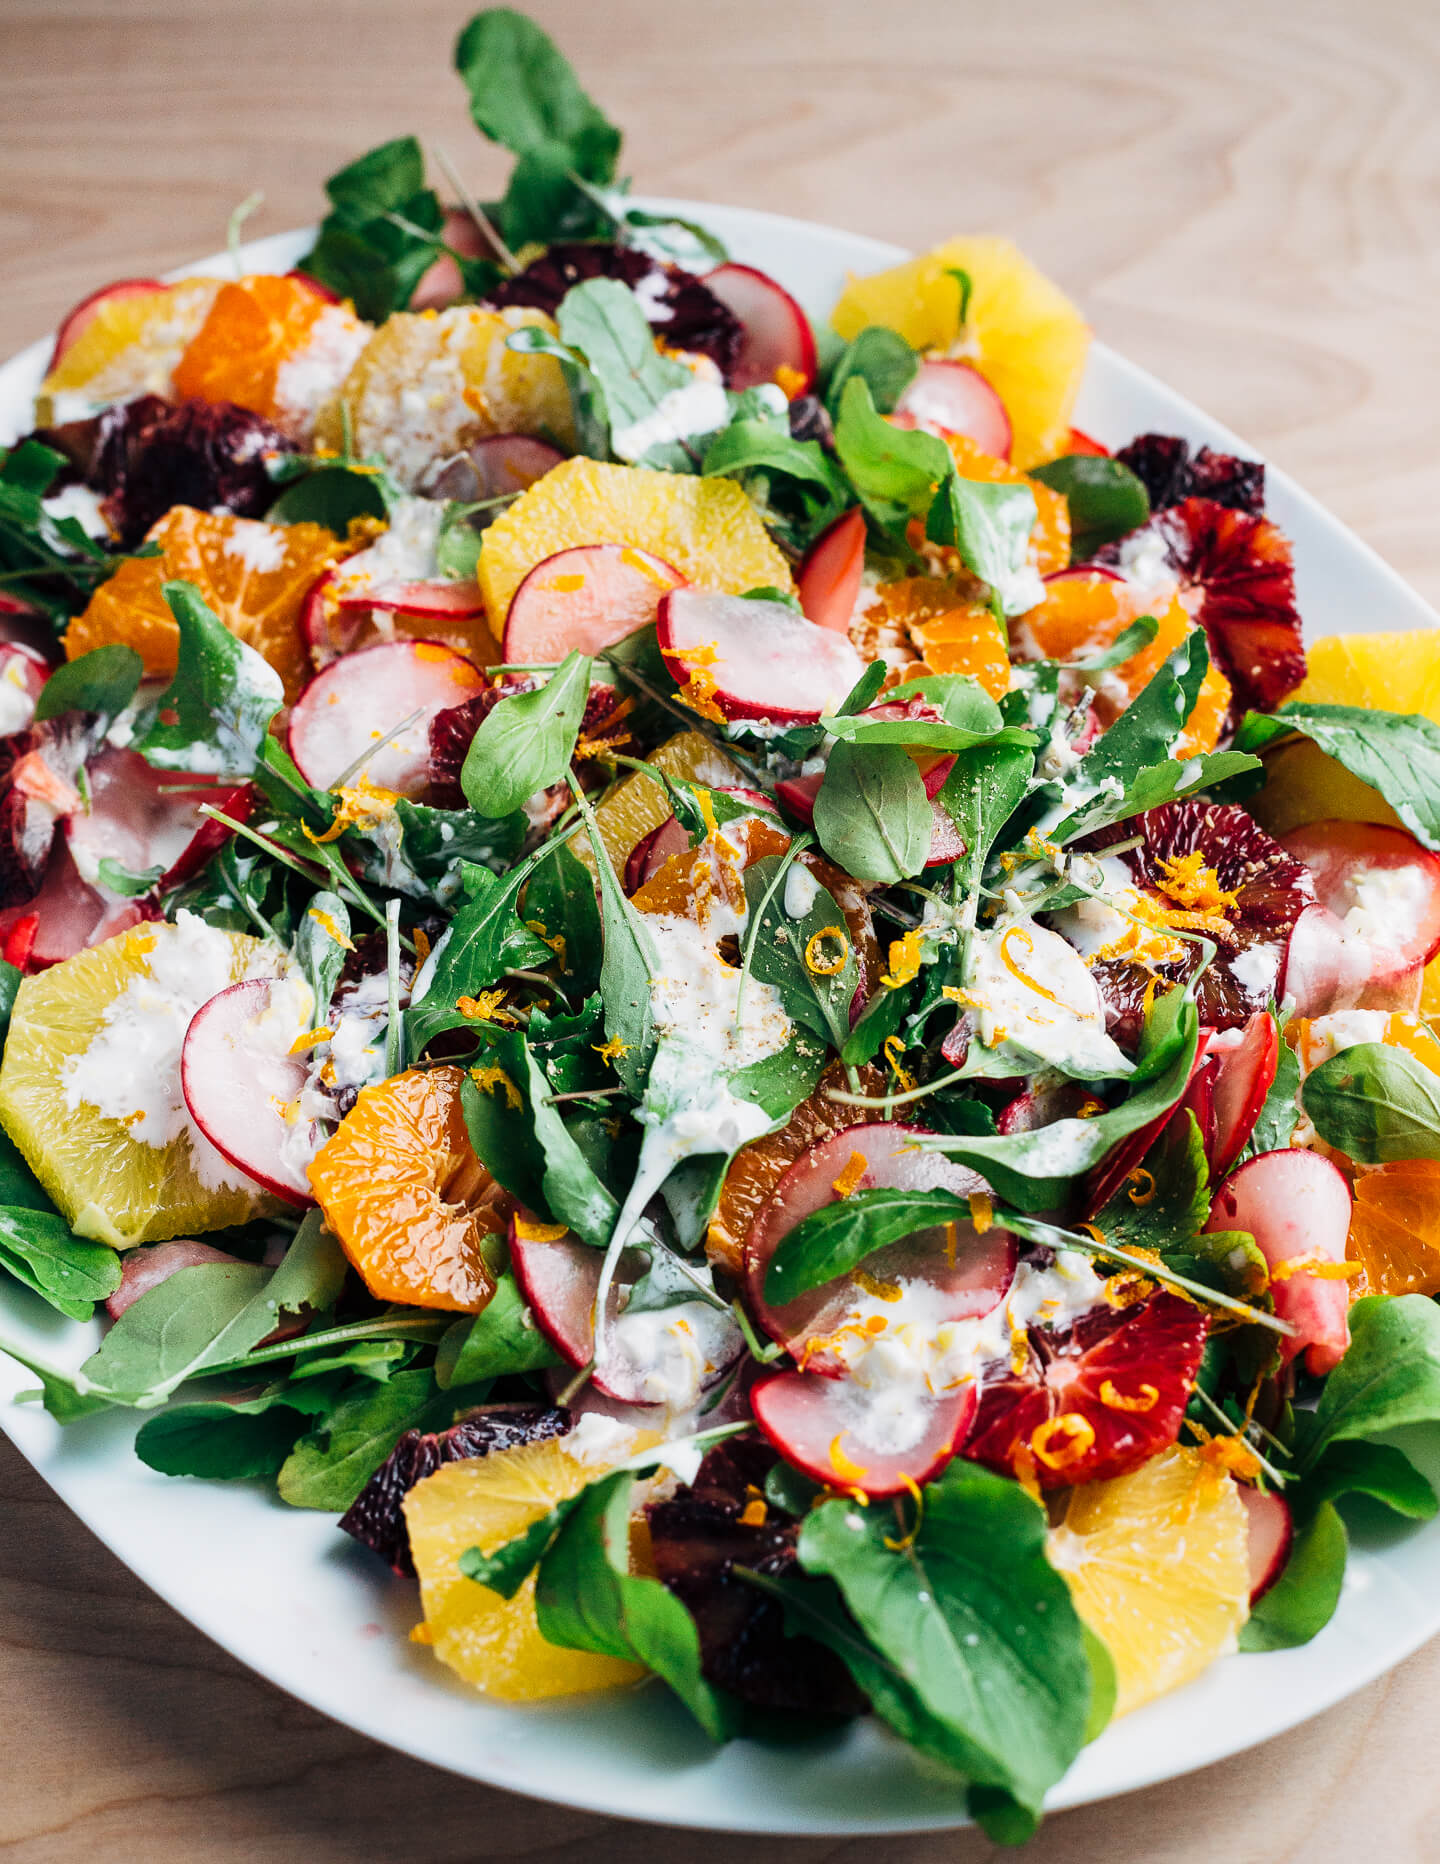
[[1245, 197]]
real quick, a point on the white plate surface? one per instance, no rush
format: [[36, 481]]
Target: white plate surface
[[307, 1608]]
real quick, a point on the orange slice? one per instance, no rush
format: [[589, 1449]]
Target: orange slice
[[950, 630], [130, 345], [253, 331]]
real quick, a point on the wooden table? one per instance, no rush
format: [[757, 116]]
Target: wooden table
[[1245, 196]]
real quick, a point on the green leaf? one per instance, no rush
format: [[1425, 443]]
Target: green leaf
[[1395, 753], [501, 1339], [1377, 1470], [1280, 1114], [333, 496], [1389, 1377], [120, 880], [628, 963], [321, 941], [485, 939], [818, 999], [894, 471], [213, 717], [220, 1439], [507, 1569], [978, 1623], [525, 743], [561, 897], [872, 815], [361, 252], [425, 859], [18, 1184], [835, 1239], [1376, 1104], [602, 319], [990, 526], [1303, 1600], [330, 1465], [1179, 1201], [882, 359], [1105, 498], [524, 94], [586, 1598], [983, 790], [105, 681], [70, 1273]]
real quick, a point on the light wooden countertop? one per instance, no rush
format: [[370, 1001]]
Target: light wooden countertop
[[1244, 196]]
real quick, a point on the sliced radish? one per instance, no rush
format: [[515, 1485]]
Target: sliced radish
[[652, 851], [1297, 1207], [962, 1281], [23, 673], [837, 1433], [1326, 968], [828, 582], [1272, 1530], [758, 659], [143, 819], [434, 601], [1111, 1173], [798, 795], [1041, 1106], [441, 283], [87, 310], [777, 332], [1381, 885], [69, 915], [954, 398], [495, 466], [314, 284], [1244, 1075], [584, 599], [1080, 442], [144, 1269], [240, 1082], [359, 701], [947, 844]]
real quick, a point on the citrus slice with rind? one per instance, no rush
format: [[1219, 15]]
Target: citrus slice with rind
[[1022, 333], [706, 528], [130, 346], [110, 1184], [485, 1501], [638, 804], [401, 1187], [429, 384], [1379, 672], [254, 576], [1157, 1563]]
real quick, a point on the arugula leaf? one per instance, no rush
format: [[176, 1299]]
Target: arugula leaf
[[1145, 732], [104, 681], [561, 897], [484, 940], [330, 1465], [1280, 1114], [507, 1569], [502, 1338], [225, 1439], [1378, 1471], [974, 1618], [334, 496], [1376, 1104], [882, 359], [48, 563], [1105, 498], [362, 251], [1389, 1377], [894, 471], [1303, 1600], [586, 1598], [985, 787], [213, 717], [120, 880], [525, 743], [1179, 1202], [1395, 753], [37, 1248], [602, 319], [19, 1187], [990, 526], [426, 858], [818, 999], [971, 717], [795, 482], [872, 815], [628, 962], [321, 942], [835, 1239]]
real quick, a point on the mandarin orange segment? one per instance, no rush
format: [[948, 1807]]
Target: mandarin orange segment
[[1395, 1227], [1207, 721], [255, 576], [1082, 614], [949, 629], [401, 1187], [253, 328]]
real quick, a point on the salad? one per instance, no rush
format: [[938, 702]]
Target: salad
[[729, 988]]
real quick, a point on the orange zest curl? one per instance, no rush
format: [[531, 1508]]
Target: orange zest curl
[[493, 1077], [982, 1211], [1321, 1267], [1078, 1434], [488, 1007], [848, 1183], [819, 961], [893, 1049], [1010, 964], [1141, 1186], [873, 1285], [1145, 1399], [905, 957], [843, 1466], [530, 1231]]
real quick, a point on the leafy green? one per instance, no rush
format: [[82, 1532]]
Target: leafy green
[[795, 482], [509, 1566], [1376, 1104], [985, 787], [1396, 753], [628, 963], [1379, 1471], [333, 496], [225, 1439], [421, 851], [1105, 498], [1280, 1114], [990, 526], [561, 897], [502, 1338], [485, 939], [1303, 1600], [882, 359], [362, 252], [1178, 1201], [19, 1187], [818, 999], [835, 1239], [872, 815], [603, 321], [104, 681], [37, 1248], [48, 563], [1389, 1377], [330, 1465], [895, 471], [525, 743], [213, 717], [321, 940]]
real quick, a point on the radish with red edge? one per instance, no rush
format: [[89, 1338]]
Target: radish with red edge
[[23, 673], [88, 309], [954, 398], [756, 658], [239, 1078], [1297, 1207], [798, 795], [959, 1275], [359, 701], [144, 1269], [1272, 1532], [828, 581], [495, 466], [777, 332], [1382, 886], [586, 599], [1108, 1176], [321, 291], [69, 915], [837, 1433], [652, 851], [143, 819], [1244, 1074]]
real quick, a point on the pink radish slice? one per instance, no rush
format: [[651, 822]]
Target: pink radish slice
[[1325, 967], [1040, 1107], [144, 1269], [586, 599], [982, 1270], [1297, 1207], [437, 601], [143, 818], [947, 844], [359, 700], [777, 331], [1272, 1530], [798, 795], [828, 582], [1244, 1075], [494, 466], [86, 311], [440, 283], [71, 915], [955, 398], [328, 628], [238, 1076], [23, 673], [652, 851], [765, 661], [809, 1419], [1111, 1173], [1382, 886], [321, 291]]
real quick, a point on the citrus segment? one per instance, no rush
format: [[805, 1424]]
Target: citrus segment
[[485, 1501], [1022, 333], [254, 576], [1303, 785], [950, 629], [429, 384], [1157, 1563], [638, 805], [1384, 672], [131, 344], [401, 1187], [99, 1169], [707, 528], [1395, 1227]]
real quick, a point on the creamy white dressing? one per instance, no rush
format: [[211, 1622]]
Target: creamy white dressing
[[676, 1350], [802, 890], [403, 553], [696, 407], [1031, 992], [260, 547], [1256, 968], [79, 502], [1383, 904], [17, 702], [306, 380]]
